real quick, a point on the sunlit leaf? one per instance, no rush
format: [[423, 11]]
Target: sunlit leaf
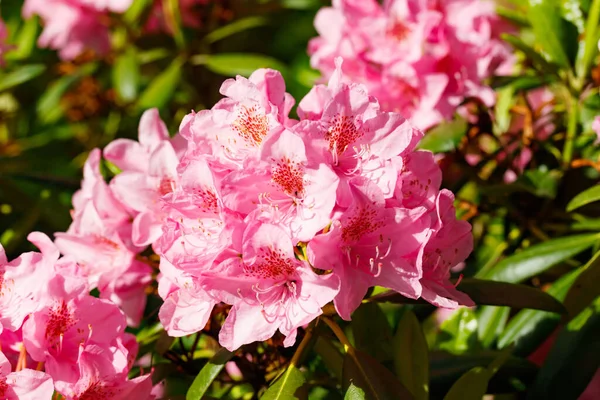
[[208, 374], [126, 75], [586, 197], [21, 75], [538, 258], [445, 137], [286, 386], [232, 64], [161, 89]]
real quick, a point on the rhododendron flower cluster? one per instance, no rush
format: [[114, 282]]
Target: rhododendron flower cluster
[[419, 57], [72, 26], [273, 216], [55, 336]]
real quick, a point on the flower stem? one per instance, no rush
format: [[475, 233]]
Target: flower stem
[[303, 346], [571, 132], [339, 334]]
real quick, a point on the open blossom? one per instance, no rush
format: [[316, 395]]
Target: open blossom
[[26, 384], [72, 26], [420, 58]]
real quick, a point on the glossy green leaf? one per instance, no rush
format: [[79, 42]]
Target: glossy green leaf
[[556, 36], [161, 89], [411, 358], [470, 386], [287, 386], [445, 137], [491, 321], [473, 385], [487, 292], [586, 197], [237, 26], [21, 75], [458, 333], [354, 393], [538, 258], [529, 328], [208, 374], [232, 64], [585, 288], [371, 331], [446, 369], [492, 293], [377, 382], [573, 359], [126, 75]]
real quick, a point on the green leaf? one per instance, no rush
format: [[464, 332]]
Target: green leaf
[[538, 258], [161, 89], [470, 386], [573, 359], [538, 61], [126, 75], [518, 17], [458, 333], [490, 323], [585, 288], [586, 197], [556, 36], [491, 293], [25, 41], [21, 75], [590, 40], [237, 26], [232, 64], [411, 358], [354, 393], [208, 374], [529, 328], [286, 386], [377, 382], [484, 292], [473, 385], [446, 369], [371, 331], [135, 10], [444, 137]]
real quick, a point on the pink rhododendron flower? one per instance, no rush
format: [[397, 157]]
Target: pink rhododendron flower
[[149, 172], [371, 245], [72, 26], [23, 280], [420, 58], [26, 384], [272, 289]]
